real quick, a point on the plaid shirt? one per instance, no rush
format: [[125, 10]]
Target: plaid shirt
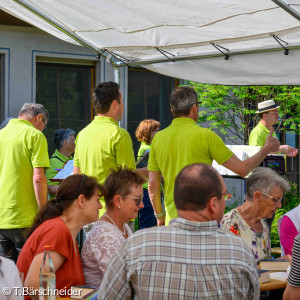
[[186, 260]]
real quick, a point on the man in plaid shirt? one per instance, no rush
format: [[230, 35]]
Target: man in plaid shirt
[[189, 259]]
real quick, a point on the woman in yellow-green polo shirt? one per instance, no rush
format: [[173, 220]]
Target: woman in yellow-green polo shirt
[[144, 134], [64, 140]]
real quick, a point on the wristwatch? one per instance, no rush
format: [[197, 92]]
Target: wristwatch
[[159, 215]]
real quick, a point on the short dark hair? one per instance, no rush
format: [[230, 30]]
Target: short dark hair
[[120, 182], [104, 94], [60, 135], [195, 185], [182, 99]]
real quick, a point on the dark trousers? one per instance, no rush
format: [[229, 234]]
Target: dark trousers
[[11, 242], [146, 214]]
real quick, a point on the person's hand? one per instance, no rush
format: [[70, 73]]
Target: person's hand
[[272, 142], [292, 152], [161, 221], [288, 257]]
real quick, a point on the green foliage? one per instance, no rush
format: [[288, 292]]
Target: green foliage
[[291, 200], [235, 204], [231, 206], [231, 109]]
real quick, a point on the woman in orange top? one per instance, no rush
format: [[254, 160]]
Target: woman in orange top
[[57, 224]]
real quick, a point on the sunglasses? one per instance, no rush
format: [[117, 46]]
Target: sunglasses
[[137, 199]]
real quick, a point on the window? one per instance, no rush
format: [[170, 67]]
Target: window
[[65, 91], [148, 98]]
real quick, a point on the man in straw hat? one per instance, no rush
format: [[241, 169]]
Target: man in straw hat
[[268, 113]]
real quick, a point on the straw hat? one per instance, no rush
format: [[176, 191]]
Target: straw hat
[[266, 106]]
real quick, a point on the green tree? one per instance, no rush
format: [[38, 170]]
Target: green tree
[[231, 109]]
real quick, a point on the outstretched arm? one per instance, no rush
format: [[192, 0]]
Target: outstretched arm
[[288, 150], [244, 167]]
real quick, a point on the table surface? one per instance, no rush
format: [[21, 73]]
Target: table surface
[[273, 285]]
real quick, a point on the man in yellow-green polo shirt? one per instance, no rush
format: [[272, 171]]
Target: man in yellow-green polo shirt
[[103, 145], [184, 143], [268, 113], [23, 184]]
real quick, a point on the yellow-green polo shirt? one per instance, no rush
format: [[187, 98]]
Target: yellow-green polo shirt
[[57, 161], [181, 144], [22, 148], [142, 149], [102, 146], [259, 135]]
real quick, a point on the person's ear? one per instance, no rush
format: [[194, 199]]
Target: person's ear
[[172, 112], [81, 201], [117, 201], [213, 205], [257, 196], [115, 104]]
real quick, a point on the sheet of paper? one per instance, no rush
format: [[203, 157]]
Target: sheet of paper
[[66, 171], [279, 276]]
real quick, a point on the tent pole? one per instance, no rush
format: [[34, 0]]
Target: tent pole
[[288, 8], [117, 75]]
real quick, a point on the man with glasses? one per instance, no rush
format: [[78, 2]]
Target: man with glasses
[[191, 258], [184, 143], [23, 184], [268, 113]]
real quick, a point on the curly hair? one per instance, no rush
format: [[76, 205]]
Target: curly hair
[[145, 129]]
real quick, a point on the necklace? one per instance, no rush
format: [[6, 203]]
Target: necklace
[[123, 232], [257, 233]]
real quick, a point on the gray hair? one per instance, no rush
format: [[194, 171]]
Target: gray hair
[[33, 109], [61, 135], [263, 179], [182, 99]]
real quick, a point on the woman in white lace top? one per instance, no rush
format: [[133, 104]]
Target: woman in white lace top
[[123, 198]]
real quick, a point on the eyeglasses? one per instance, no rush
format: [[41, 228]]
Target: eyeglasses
[[226, 196], [81, 184], [197, 103], [137, 199], [274, 199], [44, 121]]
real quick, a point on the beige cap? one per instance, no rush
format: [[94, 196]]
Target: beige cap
[[266, 106]]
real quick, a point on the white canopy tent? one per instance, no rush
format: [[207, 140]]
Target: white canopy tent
[[185, 39]]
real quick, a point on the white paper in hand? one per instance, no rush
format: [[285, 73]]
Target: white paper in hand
[[66, 171]]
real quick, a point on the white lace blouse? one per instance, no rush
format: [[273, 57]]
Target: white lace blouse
[[98, 249]]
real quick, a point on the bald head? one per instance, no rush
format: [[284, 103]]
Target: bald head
[[195, 185]]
